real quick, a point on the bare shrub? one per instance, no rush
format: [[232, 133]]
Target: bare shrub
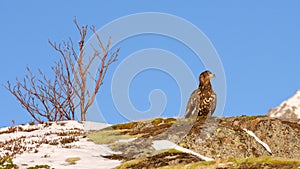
[[54, 99]]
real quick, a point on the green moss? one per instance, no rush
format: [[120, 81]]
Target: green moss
[[157, 121], [130, 163], [239, 161], [251, 117], [72, 160], [124, 126], [107, 136], [265, 160], [190, 166], [173, 150], [170, 120]]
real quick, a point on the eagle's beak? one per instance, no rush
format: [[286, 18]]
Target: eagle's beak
[[212, 75]]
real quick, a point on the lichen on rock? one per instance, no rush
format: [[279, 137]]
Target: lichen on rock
[[217, 138]]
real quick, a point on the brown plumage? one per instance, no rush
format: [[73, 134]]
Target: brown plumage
[[203, 100]]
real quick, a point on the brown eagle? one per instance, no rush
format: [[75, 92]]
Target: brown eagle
[[203, 100]]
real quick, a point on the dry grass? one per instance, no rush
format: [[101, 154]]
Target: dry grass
[[237, 162], [107, 136], [129, 164], [72, 160]]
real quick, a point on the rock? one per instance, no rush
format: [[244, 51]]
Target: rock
[[216, 138], [283, 138]]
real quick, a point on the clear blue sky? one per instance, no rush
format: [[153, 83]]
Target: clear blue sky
[[258, 43]]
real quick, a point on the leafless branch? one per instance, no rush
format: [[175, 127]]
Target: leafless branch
[[54, 98]]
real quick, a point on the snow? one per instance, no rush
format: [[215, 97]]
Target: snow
[[165, 144], [265, 145], [291, 105], [126, 140], [88, 125], [88, 152], [42, 144]]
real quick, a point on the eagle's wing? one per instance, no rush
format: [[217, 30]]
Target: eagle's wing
[[213, 103], [193, 104], [208, 102]]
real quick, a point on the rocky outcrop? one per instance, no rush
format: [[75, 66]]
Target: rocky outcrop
[[217, 138], [231, 140]]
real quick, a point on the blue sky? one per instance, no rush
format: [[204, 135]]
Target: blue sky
[[257, 42]]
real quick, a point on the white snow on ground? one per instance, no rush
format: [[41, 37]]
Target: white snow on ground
[[291, 105], [258, 140], [88, 125], [52, 144], [88, 152], [126, 140], [165, 144]]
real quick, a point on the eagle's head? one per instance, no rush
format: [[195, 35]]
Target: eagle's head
[[205, 77]]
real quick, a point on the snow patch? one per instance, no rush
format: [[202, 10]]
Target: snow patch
[[126, 140], [265, 145], [165, 144], [52, 143], [88, 125], [88, 152]]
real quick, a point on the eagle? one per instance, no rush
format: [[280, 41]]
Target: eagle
[[203, 100]]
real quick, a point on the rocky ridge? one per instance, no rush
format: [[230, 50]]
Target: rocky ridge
[[231, 142], [223, 139]]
